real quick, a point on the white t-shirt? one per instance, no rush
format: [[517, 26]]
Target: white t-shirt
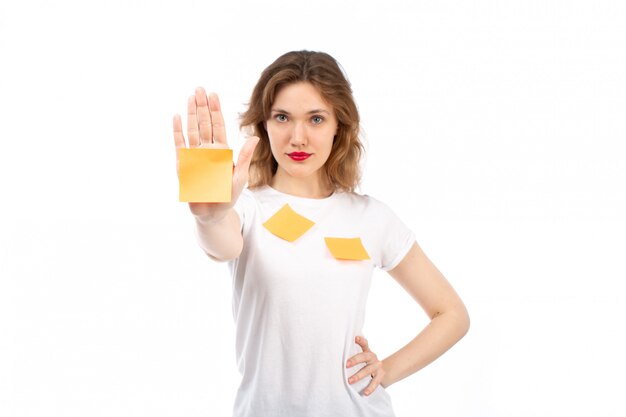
[[297, 309]]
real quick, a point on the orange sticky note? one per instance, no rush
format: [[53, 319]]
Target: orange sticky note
[[205, 175], [346, 248], [287, 224]]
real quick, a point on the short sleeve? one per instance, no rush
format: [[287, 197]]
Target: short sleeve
[[244, 207], [394, 239]]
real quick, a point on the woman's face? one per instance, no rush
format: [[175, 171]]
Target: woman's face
[[301, 130]]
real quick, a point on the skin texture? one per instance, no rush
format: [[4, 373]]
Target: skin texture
[[217, 223], [302, 121], [449, 323]]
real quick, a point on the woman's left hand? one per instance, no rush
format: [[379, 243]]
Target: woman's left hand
[[373, 366]]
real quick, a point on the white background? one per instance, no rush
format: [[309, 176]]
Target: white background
[[495, 130]]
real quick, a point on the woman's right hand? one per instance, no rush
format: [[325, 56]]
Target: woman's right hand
[[205, 129]]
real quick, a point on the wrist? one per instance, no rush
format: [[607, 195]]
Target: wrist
[[212, 218], [386, 381]]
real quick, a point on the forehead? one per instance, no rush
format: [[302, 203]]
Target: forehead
[[301, 96]]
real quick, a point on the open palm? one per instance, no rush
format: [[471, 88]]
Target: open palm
[[205, 129]]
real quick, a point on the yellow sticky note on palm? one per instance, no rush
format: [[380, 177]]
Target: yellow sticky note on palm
[[205, 175], [346, 248], [287, 224]]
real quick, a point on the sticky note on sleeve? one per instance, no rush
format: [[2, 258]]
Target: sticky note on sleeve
[[346, 248], [205, 175]]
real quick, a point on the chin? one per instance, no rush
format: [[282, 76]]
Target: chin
[[301, 171]]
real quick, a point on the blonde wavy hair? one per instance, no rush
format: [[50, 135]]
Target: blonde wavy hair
[[341, 171]]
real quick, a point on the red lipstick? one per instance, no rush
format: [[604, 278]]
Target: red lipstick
[[299, 156]]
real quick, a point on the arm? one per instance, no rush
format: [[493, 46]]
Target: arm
[[449, 317], [219, 229], [220, 239]]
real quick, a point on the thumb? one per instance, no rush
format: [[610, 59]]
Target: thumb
[[240, 175], [363, 343]]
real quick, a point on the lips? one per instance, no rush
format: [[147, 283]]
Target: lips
[[299, 156]]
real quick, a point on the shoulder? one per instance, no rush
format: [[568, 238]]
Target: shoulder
[[246, 203], [386, 237], [252, 195], [364, 202], [372, 211], [245, 199]]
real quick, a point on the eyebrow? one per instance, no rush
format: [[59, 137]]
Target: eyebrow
[[309, 112]]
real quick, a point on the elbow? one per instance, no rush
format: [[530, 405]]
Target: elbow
[[462, 320], [217, 259], [458, 320], [233, 252]]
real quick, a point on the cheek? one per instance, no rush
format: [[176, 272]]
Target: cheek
[[274, 147], [276, 134], [328, 139], [278, 144], [273, 138]]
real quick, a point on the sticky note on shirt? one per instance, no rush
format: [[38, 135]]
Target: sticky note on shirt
[[287, 224], [205, 175], [346, 248]]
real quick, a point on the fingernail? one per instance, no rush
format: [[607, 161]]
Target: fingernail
[[348, 364], [358, 338]]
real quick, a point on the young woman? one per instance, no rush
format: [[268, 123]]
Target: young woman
[[298, 301]]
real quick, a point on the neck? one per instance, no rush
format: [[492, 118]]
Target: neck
[[310, 187]]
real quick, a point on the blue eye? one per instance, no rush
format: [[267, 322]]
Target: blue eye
[[281, 117], [317, 119]]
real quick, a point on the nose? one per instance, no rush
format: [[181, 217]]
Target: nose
[[298, 135]]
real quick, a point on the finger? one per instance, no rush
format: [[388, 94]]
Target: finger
[[362, 357], [217, 119], [204, 116], [367, 370], [240, 175], [179, 139], [361, 341], [373, 385], [192, 123]]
